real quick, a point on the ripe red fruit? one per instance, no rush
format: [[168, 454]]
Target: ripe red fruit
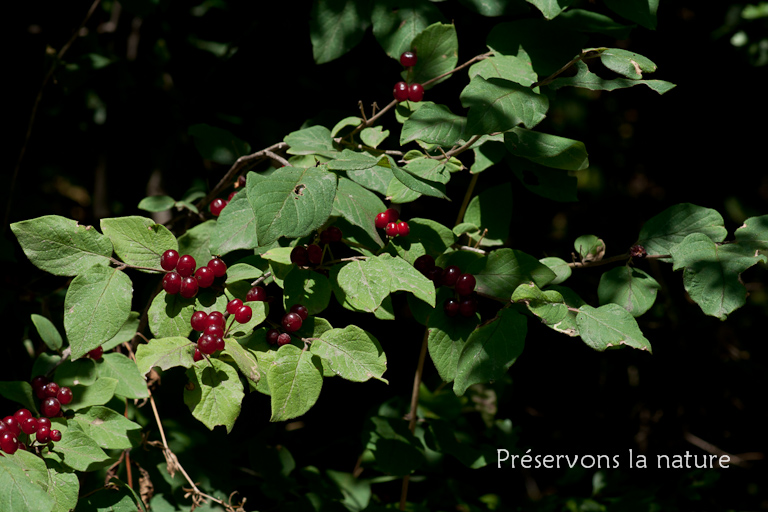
[[9, 443], [299, 256], [186, 265], [451, 275], [172, 283], [207, 344], [408, 58], [55, 435], [43, 422], [218, 267], [22, 414], [435, 274], [283, 339], [292, 322], [424, 263], [300, 310], [197, 356], [204, 276], [244, 314], [43, 434], [95, 354], [234, 305], [382, 219], [65, 395], [272, 336], [314, 254], [465, 284], [403, 229], [169, 259], [29, 425], [451, 307], [391, 229], [256, 294], [416, 92], [217, 205], [392, 214], [51, 389], [50, 407], [199, 320], [12, 425], [214, 330], [231, 195], [219, 343], [334, 234], [189, 287], [38, 383], [400, 91], [468, 307], [217, 318]]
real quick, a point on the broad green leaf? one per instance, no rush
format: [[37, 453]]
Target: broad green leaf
[[712, 275], [344, 123], [130, 383], [548, 150], [292, 202], [110, 429], [244, 360], [588, 80], [235, 228], [429, 169], [280, 255], [491, 210], [110, 500], [64, 488], [667, 229], [76, 448], [215, 395], [138, 240], [78, 372], [61, 246], [336, 26], [503, 270], [437, 48], [308, 288], [549, 306], [126, 332], [242, 272], [497, 105], [630, 288], [753, 235], [356, 491], [446, 339], [508, 67], [629, 64], [20, 392], [351, 353], [256, 345], [559, 267], [554, 184], [404, 277], [157, 203], [295, 379], [165, 353], [376, 178], [441, 436], [639, 11], [197, 241], [551, 8], [99, 392], [19, 492], [491, 350], [373, 136], [397, 193], [315, 140], [97, 304], [359, 206], [218, 144], [396, 450], [415, 183], [48, 332], [433, 124], [350, 160], [362, 284], [589, 21], [487, 155], [609, 326], [497, 7], [589, 247], [464, 227], [396, 24], [426, 237], [169, 315]]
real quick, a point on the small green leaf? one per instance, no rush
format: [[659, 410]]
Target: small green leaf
[[508, 67], [503, 270], [245, 361], [559, 267], [76, 448], [197, 241], [667, 229], [295, 379], [497, 105], [631, 65], [609, 326], [138, 240], [215, 395], [415, 183], [588, 80], [395, 25], [235, 228], [547, 150], [110, 429], [753, 235], [491, 210], [165, 353], [130, 383], [589, 247], [351, 353], [373, 136], [48, 332], [639, 11], [359, 206], [19, 392], [344, 123], [218, 144], [336, 26], [590, 21], [99, 393], [630, 288], [157, 203], [433, 124], [315, 140], [169, 315], [550, 8], [437, 48], [549, 306], [446, 339]]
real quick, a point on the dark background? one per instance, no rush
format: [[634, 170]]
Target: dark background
[[102, 135]]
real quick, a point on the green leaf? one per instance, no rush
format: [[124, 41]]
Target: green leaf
[[589, 21], [446, 339], [130, 383], [336, 26], [396, 450], [359, 206], [235, 228], [138, 240], [630, 288], [442, 437], [291, 202], [487, 155], [126, 332], [550, 306], [315, 140], [437, 48], [295, 379], [497, 105], [429, 169], [491, 210], [197, 241], [245, 361], [403, 277], [550, 8], [157, 203], [609, 326], [64, 488], [508, 67], [629, 64], [218, 144], [308, 288], [344, 123], [20, 493], [712, 275], [362, 284], [99, 392], [587, 80], [753, 235], [48, 332], [547, 150], [396, 24], [96, 306], [373, 135], [426, 237], [589, 247], [61, 246], [170, 315], [19, 392], [76, 448], [350, 160], [165, 353], [503, 270], [78, 372], [496, 7], [639, 11], [415, 183], [351, 353], [110, 429], [433, 124], [216, 393], [667, 229], [491, 350], [554, 184], [559, 267]]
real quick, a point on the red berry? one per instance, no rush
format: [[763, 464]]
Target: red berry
[[172, 283], [51, 389], [391, 229], [22, 414], [197, 355], [325, 237], [38, 383], [416, 92], [451, 307], [55, 435], [292, 322], [216, 206], [189, 287], [204, 276], [234, 305], [468, 307], [424, 263], [244, 314], [29, 426], [408, 58], [43, 434], [272, 336], [400, 91], [12, 425], [43, 422], [219, 343], [392, 214], [215, 317], [299, 256], [65, 395], [214, 330], [382, 219], [451, 275], [207, 344], [465, 284], [95, 354], [300, 310], [256, 294], [403, 229], [231, 195], [334, 233], [199, 320], [283, 339], [218, 267], [314, 254], [186, 265], [9, 443], [50, 407], [436, 275], [169, 259]]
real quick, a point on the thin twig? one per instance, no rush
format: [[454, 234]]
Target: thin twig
[[584, 55], [613, 259], [467, 197]]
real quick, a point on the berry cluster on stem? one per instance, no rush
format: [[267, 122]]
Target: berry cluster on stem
[[403, 90], [291, 322], [465, 302], [184, 278], [389, 221]]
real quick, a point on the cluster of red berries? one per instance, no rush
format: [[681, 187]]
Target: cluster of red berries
[[23, 422], [218, 204], [463, 284], [388, 221], [312, 254], [403, 91], [213, 327], [52, 395], [183, 277], [291, 322]]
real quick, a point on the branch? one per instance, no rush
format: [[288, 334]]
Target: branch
[[584, 55], [614, 259]]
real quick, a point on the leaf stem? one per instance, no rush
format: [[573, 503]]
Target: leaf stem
[[467, 197], [591, 53]]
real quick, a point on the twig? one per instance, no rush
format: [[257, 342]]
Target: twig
[[613, 259], [584, 55], [261, 278], [468, 248], [476, 58], [467, 197]]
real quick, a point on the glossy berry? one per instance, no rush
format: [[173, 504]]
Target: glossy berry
[[314, 254], [435, 274], [334, 234], [12, 425], [244, 315], [172, 283], [65, 395], [465, 284], [199, 320], [400, 91], [216, 206], [272, 336], [231, 195], [220, 345], [50, 407], [22, 414], [51, 389], [451, 307], [39, 382], [169, 259], [234, 305], [256, 294], [43, 434], [451, 275], [299, 256], [197, 356], [55, 435], [391, 229], [29, 426], [218, 267], [9, 443], [204, 276], [382, 219], [95, 354], [186, 265], [392, 214], [408, 58], [283, 339], [214, 330], [292, 322], [216, 318], [468, 307], [403, 229], [300, 310], [43, 422], [424, 263], [416, 92], [207, 344], [189, 287]]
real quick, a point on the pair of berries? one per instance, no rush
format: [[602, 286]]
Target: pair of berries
[[212, 327], [312, 254], [388, 221], [182, 281], [403, 91], [464, 284], [52, 395], [22, 421], [291, 322]]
